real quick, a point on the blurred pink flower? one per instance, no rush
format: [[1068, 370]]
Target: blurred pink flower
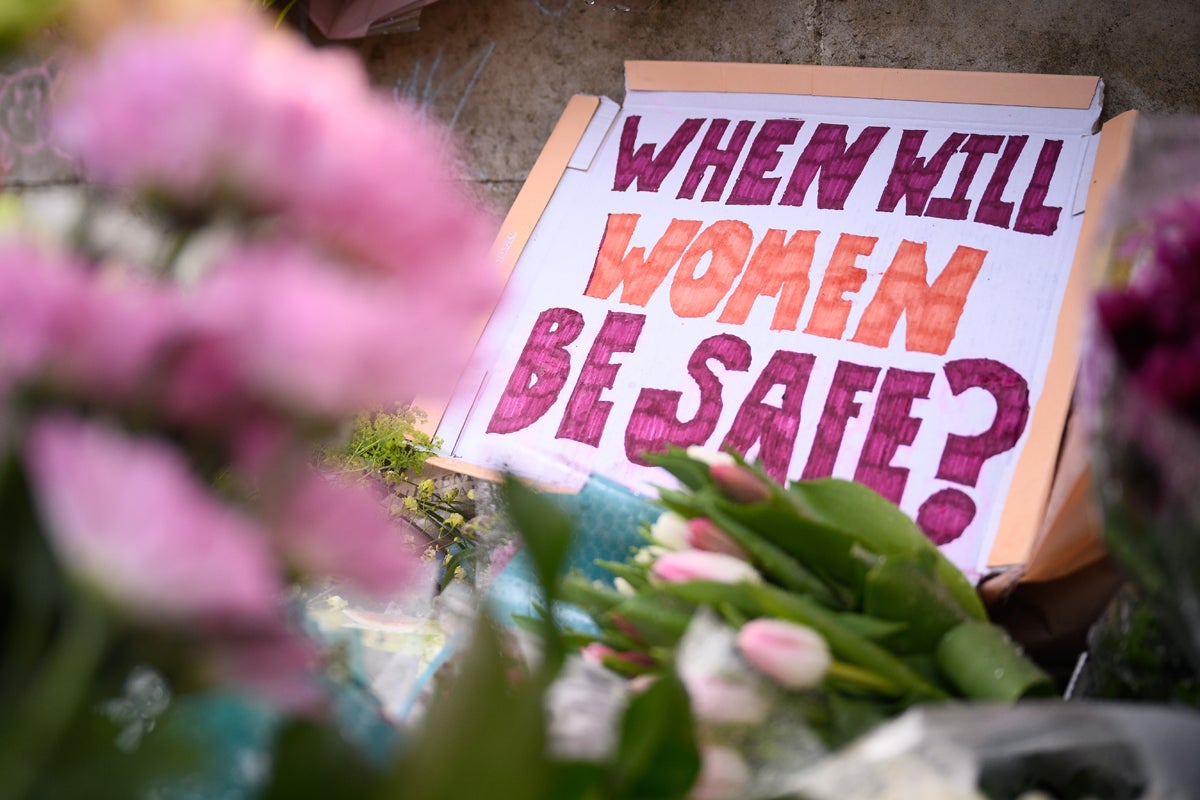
[[194, 112], [128, 517], [77, 328], [202, 384], [234, 110], [275, 663], [319, 340], [697, 565], [339, 529], [795, 656]]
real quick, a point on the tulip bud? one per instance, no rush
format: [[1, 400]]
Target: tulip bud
[[595, 653], [624, 587], [626, 627], [670, 531], [697, 565], [710, 457], [645, 556], [795, 656], [703, 534], [724, 774], [739, 483]]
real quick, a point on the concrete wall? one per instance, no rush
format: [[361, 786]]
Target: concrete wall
[[500, 71]]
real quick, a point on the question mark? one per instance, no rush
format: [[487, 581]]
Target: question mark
[[947, 513]]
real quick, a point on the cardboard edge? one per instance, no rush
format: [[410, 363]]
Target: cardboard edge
[[524, 214], [937, 86], [543, 179], [471, 470], [1024, 521]]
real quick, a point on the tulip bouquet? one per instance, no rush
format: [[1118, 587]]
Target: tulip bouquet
[[820, 605]]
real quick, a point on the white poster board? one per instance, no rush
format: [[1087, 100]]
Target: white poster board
[[835, 272]]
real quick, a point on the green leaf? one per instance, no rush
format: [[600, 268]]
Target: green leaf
[[576, 780], [545, 529], [869, 627], [984, 663], [844, 643], [714, 593], [906, 589], [824, 550], [658, 617], [456, 560], [690, 472], [850, 717], [483, 735], [635, 574], [314, 760], [593, 598], [773, 561], [881, 527], [657, 756]]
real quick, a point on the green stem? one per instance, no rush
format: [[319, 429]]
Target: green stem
[[175, 249], [852, 676], [33, 730]]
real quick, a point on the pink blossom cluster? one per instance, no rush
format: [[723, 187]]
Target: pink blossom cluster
[[130, 397], [231, 112]]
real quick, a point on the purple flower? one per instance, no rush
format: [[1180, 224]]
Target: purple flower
[[795, 656], [1153, 324], [127, 517]]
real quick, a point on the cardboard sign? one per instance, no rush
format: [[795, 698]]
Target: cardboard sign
[[869, 274]]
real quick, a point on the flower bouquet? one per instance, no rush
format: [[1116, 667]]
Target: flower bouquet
[[797, 617], [179, 338]]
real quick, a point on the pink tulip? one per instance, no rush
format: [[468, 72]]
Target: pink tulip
[[697, 565], [595, 653], [739, 483], [703, 534], [795, 656]]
